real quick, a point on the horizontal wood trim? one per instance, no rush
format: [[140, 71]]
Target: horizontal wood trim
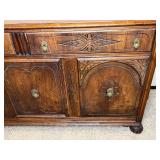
[[81, 29], [72, 121], [67, 24], [31, 60], [53, 59], [49, 58]]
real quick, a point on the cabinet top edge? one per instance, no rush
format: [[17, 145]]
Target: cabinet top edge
[[42, 24]]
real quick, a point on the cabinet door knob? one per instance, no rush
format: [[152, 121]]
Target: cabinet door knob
[[44, 46], [110, 92], [136, 43], [35, 93]]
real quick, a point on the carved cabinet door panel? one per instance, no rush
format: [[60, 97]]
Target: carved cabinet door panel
[[35, 89], [111, 88]]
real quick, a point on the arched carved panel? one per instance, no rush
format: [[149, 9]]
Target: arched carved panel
[[140, 65], [108, 88], [23, 79]]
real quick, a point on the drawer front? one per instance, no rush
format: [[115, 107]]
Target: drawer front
[[111, 88], [99, 40], [34, 89]]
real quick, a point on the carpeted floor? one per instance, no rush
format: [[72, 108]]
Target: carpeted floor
[[84, 132]]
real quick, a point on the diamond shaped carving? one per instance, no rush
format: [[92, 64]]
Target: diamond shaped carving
[[88, 42]]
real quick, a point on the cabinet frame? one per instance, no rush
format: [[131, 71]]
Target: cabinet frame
[[70, 70]]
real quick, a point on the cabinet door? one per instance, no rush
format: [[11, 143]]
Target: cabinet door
[[111, 88], [34, 89]]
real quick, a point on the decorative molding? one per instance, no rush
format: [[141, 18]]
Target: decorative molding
[[89, 42], [140, 65], [21, 44], [85, 66]]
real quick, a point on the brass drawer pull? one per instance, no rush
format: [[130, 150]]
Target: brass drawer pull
[[35, 93], [136, 43], [110, 92], [44, 46]]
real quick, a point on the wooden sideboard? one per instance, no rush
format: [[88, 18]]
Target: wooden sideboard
[[78, 72]]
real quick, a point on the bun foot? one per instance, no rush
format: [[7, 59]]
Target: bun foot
[[136, 129]]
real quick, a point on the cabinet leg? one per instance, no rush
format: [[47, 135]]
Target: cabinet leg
[[136, 129]]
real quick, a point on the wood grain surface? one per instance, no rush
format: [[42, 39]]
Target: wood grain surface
[[81, 72]]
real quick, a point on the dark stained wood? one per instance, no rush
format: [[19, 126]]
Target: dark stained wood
[[20, 43], [71, 83], [137, 128], [125, 121], [9, 111], [84, 41], [96, 77], [22, 78], [90, 73]]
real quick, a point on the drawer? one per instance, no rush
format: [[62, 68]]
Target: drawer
[[74, 41]]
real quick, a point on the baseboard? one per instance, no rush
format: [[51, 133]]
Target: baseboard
[[153, 87]]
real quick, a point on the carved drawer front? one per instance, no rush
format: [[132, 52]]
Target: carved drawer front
[[34, 89], [84, 41], [111, 88]]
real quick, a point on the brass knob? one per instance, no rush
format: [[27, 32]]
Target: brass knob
[[136, 43], [110, 92], [44, 46], [35, 93]]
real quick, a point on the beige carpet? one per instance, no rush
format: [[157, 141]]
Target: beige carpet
[[84, 132]]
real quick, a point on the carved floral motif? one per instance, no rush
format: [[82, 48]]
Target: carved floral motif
[[85, 66], [88, 42], [140, 65]]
